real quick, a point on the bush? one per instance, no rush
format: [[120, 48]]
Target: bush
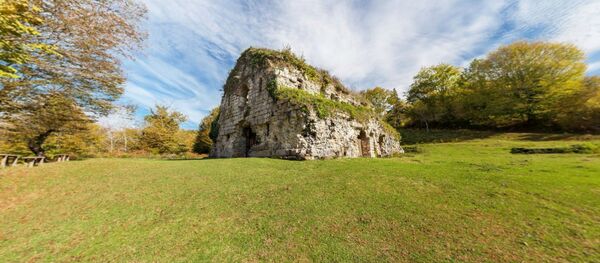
[[577, 148]]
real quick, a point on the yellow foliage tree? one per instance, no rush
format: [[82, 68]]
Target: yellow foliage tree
[[18, 22], [523, 83]]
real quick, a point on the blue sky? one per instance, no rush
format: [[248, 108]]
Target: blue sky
[[193, 44]]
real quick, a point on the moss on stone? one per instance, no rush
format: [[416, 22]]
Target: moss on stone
[[323, 106], [272, 88], [232, 79], [390, 129], [261, 56]]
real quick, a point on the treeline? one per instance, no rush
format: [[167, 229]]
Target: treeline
[[524, 86], [159, 135]]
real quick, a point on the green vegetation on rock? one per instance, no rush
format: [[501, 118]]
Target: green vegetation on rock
[[323, 106], [261, 56]]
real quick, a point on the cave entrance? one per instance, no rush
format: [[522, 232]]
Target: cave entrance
[[365, 145], [250, 140], [380, 143]]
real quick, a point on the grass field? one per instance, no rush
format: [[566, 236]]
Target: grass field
[[469, 200]]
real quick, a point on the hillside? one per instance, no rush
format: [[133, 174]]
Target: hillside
[[469, 200]]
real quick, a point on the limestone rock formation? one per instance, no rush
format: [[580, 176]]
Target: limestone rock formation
[[275, 105]]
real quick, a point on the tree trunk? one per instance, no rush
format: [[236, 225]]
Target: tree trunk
[[35, 144], [112, 141], [125, 139]]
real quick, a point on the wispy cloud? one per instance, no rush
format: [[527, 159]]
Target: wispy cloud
[[194, 43]]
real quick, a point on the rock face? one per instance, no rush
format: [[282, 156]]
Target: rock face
[[275, 105]]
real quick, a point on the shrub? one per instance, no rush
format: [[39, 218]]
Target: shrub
[[577, 148]]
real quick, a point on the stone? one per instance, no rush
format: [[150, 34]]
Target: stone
[[275, 105]]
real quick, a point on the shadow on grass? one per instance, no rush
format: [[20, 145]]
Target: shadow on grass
[[184, 159], [416, 136], [556, 137], [243, 158]]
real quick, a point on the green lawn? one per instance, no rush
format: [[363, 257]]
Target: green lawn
[[463, 201]]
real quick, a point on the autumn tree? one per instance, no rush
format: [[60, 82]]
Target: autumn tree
[[204, 140], [116, 128], [88, 142], [19, 20], [88, 38], [54, 113], [523, 83], [187, 139], [160, 133]]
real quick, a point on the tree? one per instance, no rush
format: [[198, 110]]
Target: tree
[[116, 124], [161, 130], [204, 141], [581, 112], [18, 22], [88, 37], [432, 93], [87, 142], [523, 83], [129, 139], [186, 140], [381, 99], [397, 116], [54, 114]]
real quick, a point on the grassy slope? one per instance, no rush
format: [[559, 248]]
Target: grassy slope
[[466, 201]]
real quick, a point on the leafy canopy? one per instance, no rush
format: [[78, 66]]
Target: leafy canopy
[[161, 131], [381, 99], [432, 93], [18, 27], [68, 47], [207, 132], [523, 82]]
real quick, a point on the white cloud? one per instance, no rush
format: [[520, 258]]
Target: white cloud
[[386, 44], [593, 67], [575, 21], [117, 120], [365, 43], [582, 27]]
